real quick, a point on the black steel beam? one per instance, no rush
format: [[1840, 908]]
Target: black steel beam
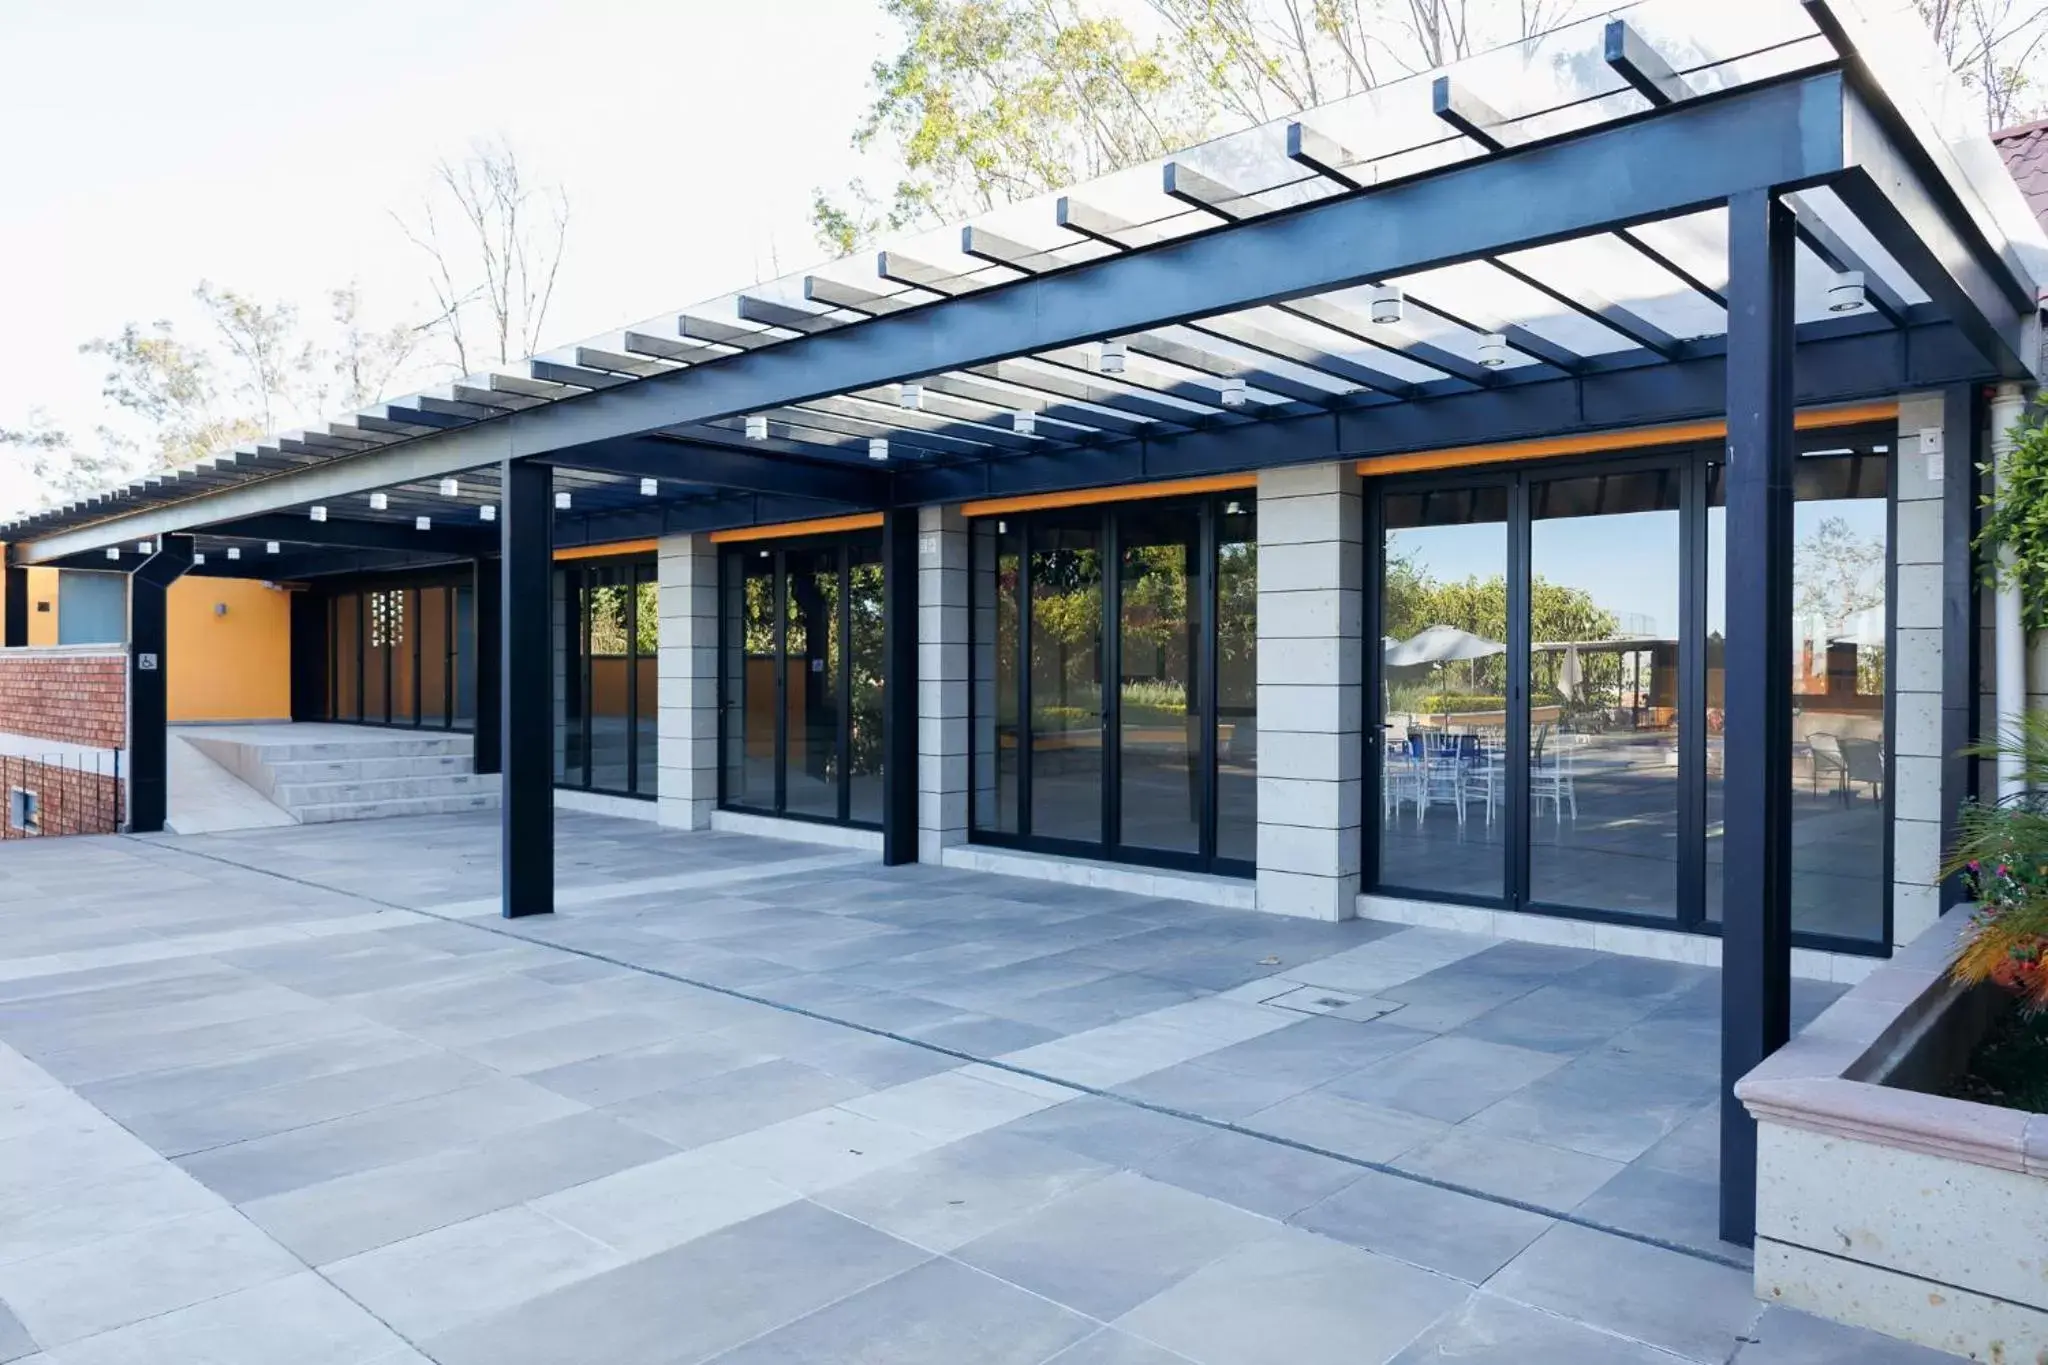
[[661, 457], [1756, 877], [148, 674], [526, 678], [460, 542], [1962, 427], [1322, 154], [14, 608], [1642, 66], [899, 689]]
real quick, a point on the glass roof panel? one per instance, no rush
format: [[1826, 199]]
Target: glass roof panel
[[1826, 205], [1604, 266], [1486, 297]]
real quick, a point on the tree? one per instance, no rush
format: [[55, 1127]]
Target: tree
[[493, 239], [1993, 46]]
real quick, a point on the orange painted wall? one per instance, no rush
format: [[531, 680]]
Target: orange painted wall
[[42, 625], [232, 667]]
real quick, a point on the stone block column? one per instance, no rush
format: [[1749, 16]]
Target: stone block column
[[1918, 547], [688, 673], [1311, 667], [942, 696]]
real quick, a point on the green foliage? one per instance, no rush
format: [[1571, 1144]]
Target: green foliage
[[2001, 853], [2016, 521]]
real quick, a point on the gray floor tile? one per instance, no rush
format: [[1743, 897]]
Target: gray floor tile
[[1348, 1127], [1105, 1130], [967, 1189], [1315, 1050], [37, 1218], [1671, 1208], [1787, 1337], [1456, 1234], [1599, 1105], [734, 1102], [1297, 1298], [1198, 1088], [118, 1280], [1488, 1330], [938, 1313], [15, 1342], [1111, 1347], [356, 1213], [302, 1319], [691, 1302], [1110, 1245], [644, 1070], [1548, 1177], [1559, 1018], [1251, 1173], [1685, 1305], [983, 1036], [1449, 1078]]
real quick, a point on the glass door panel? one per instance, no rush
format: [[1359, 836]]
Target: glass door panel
[[1604, 572], [465, 658], [1159, 630], [380, 629], [348, 657], [404, 656], [1443, 683], [997, 550], [571, 678], [751, 667], [811, 681], [434, 656], [1237, 676], [610, 661], [646, 680], [1066, 677], [866, 687]]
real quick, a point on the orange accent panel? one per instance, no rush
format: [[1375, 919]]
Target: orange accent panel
[[1635, 438], [236, 666], [619, 547], [1130, 492], [859, 521], [42, 625]]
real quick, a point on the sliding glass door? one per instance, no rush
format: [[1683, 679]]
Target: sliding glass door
[[607, 694], [800, 679], [401, 656], [1547, 685], [1113, 659]]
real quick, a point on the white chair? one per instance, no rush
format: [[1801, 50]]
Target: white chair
[[1552, 781], [1402, 781]]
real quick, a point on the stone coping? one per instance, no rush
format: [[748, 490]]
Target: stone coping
[[101, 651], [1826, 1079]]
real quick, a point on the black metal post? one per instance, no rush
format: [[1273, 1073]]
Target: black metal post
[[1961, 416], [899, 686], [489, 628], [1756, 912], [148, 696], [525, 674], [14, 607]]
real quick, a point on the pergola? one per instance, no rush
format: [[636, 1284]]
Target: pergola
[[1678, 213]]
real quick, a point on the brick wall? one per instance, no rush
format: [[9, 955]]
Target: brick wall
[[74, 796], [70, 695]]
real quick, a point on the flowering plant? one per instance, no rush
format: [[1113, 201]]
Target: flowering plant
[[2001, 855]]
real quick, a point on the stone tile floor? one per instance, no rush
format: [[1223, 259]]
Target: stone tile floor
[[297, 1095]]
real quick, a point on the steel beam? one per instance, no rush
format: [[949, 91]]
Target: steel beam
[[1756, 877], [900, 618], [526, 678], [659, 457], [148, 690], [460, 542]]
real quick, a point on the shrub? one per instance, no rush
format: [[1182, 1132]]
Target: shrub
[[2001, 854]]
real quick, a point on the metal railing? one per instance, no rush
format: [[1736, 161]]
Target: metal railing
[[55, 794]]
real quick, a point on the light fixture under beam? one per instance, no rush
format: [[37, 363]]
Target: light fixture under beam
[[234, 552], [422, 523], [1024, 423], [1493, 350], [878, 447], [910, 396], [649, 487], [1847, 294], [1234, 392], [757, 428], [113, 552], [1109, 357], [1387, 304], [561, 502], [379, 502], [319, 514], [271, 547], [487, 512], [451, 488]]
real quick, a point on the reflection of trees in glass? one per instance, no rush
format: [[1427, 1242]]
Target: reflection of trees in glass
[[760, 615], [1414, 600], [864, 605], [1837, 573], [1066, 626], [647, 621], [1154, 629], [606, 609]]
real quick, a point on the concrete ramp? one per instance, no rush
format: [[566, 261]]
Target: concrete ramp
[[314, 774]]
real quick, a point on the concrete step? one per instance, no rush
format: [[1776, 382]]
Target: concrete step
[[376, 744], [295, 796], [380, 810], [301, 771]]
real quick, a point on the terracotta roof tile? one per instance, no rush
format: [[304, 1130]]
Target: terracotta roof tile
[[2025, 149]]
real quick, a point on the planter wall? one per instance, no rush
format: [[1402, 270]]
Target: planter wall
[[1888, 1207]]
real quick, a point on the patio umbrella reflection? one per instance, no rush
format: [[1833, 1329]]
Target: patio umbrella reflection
[[1442, 644]]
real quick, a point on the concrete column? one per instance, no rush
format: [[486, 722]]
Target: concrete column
[[2008, 405], [941, 681], [688, 672], [1919, 746], [1311, 664]]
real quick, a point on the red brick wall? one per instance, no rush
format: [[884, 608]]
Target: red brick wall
[[68, 696], [76, 796]]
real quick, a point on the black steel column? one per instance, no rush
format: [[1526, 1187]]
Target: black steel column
[[899, 686], [1961, 421], [148, 697], [526, 679], [1756, 911], [309, 670], [488, 616], [14, 607]]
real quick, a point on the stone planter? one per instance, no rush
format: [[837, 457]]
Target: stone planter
[[1881, 1205]]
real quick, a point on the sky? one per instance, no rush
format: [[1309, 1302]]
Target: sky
[[264, 146]]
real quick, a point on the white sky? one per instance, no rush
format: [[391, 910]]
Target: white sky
[[263, 144]]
